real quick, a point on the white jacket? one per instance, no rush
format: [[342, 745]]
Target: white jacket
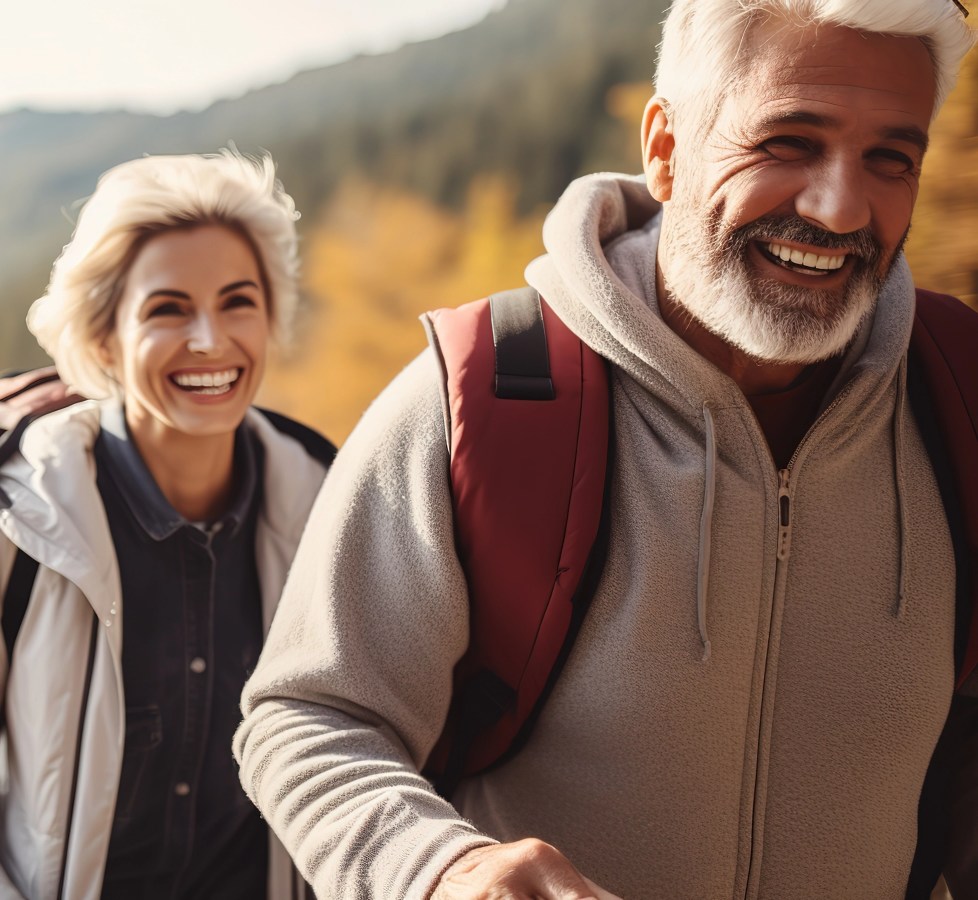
[[69, 649]]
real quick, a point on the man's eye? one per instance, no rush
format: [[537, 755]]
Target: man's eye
[[787, 148], [892, 162]]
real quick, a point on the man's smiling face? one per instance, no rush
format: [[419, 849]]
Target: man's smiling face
[[784, 221]]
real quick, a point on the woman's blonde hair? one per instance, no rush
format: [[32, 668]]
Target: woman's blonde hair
[[136, 200]]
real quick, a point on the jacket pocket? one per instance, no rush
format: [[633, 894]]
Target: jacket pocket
[[144, 733]]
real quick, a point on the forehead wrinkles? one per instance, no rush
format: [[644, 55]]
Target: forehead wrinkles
[[787, 102], [872, 86], [779, 89], [835, 55]]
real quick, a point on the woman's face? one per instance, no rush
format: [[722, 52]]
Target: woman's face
[[190, 335]]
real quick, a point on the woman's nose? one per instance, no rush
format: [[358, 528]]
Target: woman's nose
[[205, 335]]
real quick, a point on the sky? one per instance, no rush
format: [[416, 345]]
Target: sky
[[166, 55]]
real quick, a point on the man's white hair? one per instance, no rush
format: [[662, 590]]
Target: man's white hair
[[141, 198], [706, 47]]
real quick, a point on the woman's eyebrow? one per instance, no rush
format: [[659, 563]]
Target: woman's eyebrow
[[167, 292], [238, 284]]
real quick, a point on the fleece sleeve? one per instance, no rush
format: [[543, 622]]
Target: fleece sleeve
[[354, 682]]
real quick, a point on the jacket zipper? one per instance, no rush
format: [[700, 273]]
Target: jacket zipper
[[784, 514], [783, 551], [784, 481], [81, 729]]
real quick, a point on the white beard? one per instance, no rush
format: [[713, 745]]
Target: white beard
[[767, 319]]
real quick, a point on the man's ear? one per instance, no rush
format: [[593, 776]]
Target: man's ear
[[658, 146]]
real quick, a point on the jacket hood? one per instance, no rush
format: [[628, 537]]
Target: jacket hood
[[599, 276], [53, 508]]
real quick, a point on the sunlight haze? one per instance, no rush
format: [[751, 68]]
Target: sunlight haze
[[161, 57]]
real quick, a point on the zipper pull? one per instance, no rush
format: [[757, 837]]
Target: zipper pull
[[784, 514]]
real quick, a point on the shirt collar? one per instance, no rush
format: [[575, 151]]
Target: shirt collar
[[154, 513]]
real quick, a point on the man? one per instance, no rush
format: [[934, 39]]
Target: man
[[755, 696]]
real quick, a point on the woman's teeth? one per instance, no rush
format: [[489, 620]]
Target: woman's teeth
[[808, 260], [207, 382]]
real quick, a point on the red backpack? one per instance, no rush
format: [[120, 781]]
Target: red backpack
[[521, 389]]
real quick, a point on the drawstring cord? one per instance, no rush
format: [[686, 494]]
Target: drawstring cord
[[706, 530], [898, 431], [709, 495]]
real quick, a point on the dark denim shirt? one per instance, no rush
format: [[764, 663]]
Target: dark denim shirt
[[192, 632]]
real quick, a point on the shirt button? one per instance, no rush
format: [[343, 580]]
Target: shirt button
[[181, 789], [198, 664]]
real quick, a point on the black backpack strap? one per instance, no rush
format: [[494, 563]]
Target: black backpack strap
[[24, 570], [10, 440], [15, 600], [28, 385], [520, 342], [16, 597]]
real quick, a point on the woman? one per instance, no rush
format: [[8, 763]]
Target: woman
[[163, 516]]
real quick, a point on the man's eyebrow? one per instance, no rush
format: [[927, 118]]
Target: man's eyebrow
[[910, 134], [796, 117]]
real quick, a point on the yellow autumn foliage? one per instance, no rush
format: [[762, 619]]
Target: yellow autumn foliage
[[626, 102], [376, 259], [943, 247]]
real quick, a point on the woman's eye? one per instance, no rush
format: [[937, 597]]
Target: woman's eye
[[239, 300], [787, 148], [171, 308]]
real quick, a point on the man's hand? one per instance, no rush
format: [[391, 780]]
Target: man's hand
[[32, 399], [525, 870]]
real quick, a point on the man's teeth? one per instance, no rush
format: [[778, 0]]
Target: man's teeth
[[810, 260], [208, 382]]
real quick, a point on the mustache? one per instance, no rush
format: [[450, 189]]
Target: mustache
[[772, 229]]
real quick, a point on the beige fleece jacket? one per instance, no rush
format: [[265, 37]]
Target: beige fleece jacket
[[747, 712]]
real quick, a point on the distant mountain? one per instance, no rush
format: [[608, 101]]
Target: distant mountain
[[522, 93], [535, 94]]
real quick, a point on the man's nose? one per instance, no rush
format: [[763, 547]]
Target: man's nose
[[835, 197], [205, 335]]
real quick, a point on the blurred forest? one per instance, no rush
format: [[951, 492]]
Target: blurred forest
[[423, 176]]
